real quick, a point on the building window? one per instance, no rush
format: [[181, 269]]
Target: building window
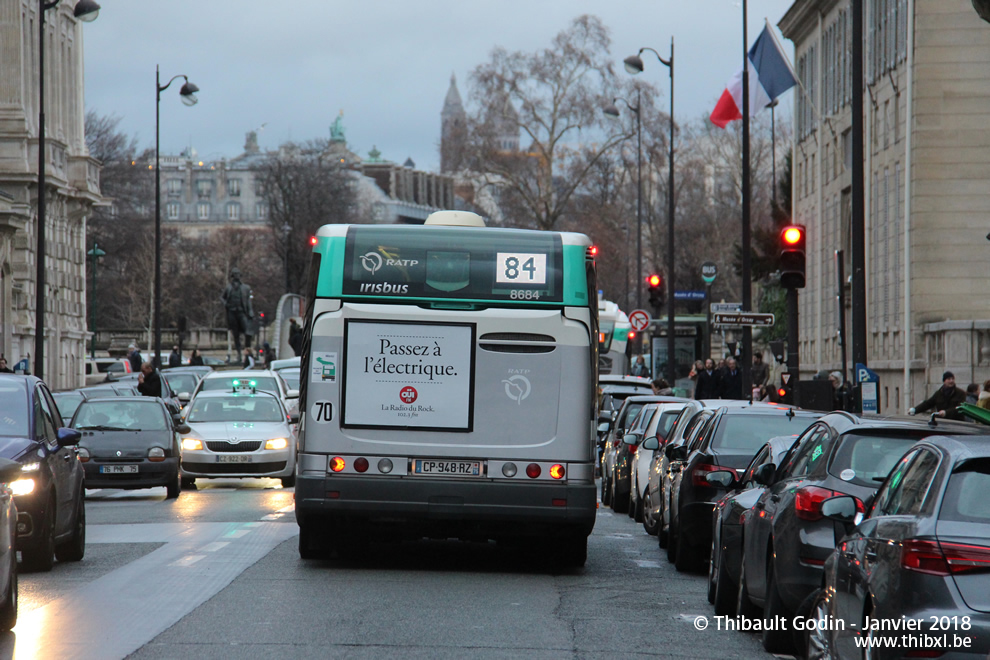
[[261, 210], [204, 188], [174, 186], [172, 210], [234, 187], [233, 211], [203, 211]]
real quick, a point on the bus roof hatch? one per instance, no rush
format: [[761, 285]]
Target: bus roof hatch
[[455, 219]]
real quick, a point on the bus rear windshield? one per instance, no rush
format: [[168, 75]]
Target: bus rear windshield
[[453, 263]]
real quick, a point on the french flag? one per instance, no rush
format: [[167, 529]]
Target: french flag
[[770, 75]]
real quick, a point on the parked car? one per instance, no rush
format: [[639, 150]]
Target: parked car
[[51, 512], [183, 383], [613, 438], [726, 555], [619, 481], [923, 554], [67, 403], [654, 437], [101, 369], [730, 440], [129, 443], [238, 434], [786, 539], [291, 376], [9, 472]]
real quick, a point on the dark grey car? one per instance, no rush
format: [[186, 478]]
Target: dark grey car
[[923, 554]]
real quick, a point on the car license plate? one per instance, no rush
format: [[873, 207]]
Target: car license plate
[[447, 468], [118, 469], [233, 459]]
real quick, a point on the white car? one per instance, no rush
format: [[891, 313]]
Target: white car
[[238, 434], [247, 380], [654, 437]]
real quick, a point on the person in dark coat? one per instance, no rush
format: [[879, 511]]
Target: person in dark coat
[[149, 382], [731, 385], [175, 358], [195, 359], [707, 387], [945, 400], [295, 337], [134, 357], [4, 369]]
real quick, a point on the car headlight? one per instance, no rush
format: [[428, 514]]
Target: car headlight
[[22, 487], [156, 454], [81, 452], [192, 444], [31, 467], [276, 443]]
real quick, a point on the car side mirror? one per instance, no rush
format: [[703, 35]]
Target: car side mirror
[[604, 418], [9, 470], [174, 395], [631, 438], [183, 429], [763, 475], [68, 437], [183, 395], [675, 453], [842, 509], [651, 444], [292, 394], [721, 478], [294, 418], [603, 427]]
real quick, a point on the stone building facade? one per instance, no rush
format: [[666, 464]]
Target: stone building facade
[[927, 159], [72, 181]]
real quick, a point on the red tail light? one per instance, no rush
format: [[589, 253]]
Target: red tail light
[[533, 470], [934, 558], [361, 464], [808, 502], [698, 475]]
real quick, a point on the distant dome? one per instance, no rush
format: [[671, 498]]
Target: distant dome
[[409, 163]]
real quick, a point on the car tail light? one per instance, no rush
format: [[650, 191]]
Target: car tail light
[[808, 502], [533, 470], [699, 472], [934, 558], [557, 471], [337, 464], [361, 464]]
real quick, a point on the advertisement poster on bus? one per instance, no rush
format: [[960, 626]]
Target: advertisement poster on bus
[[414, 375]]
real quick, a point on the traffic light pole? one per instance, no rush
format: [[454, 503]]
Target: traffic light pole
[[793, 362]]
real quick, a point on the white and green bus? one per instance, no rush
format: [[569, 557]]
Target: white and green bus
[[449, 387], [614, 330]]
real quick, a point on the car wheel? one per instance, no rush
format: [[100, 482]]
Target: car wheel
[[8, 610], [744, 606], [649, 522], [774, 641], [619, 504], [289, 482], [672, 543], [75, 548], [632, 506], [173, 488], [725, 589], [818, 646], [42, 557]]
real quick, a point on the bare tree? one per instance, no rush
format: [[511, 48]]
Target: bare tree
[[553, 99]]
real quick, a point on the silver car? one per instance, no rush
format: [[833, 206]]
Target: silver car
[[238, 434], [247, 380]]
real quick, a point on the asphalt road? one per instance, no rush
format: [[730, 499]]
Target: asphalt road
[[216, 574]]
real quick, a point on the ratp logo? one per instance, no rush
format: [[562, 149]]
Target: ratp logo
[[517, 388], [372, 262]]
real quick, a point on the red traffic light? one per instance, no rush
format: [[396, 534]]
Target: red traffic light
[[781, 392], [632, 334], [654, 280], [792, 235]]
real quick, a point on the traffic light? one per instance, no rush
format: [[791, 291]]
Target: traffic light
[[654, 284], [792, 256], [785, 393]]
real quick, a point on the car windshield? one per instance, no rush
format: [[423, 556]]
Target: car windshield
[[109, 414], [747, 433], [182, 382], [13, 409], [235, 409], [68, 402], [226, 383], [632, 409], [291, 378], [966, 495], [866, 460]]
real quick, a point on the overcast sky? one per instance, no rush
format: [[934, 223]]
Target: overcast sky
[[292, 67]]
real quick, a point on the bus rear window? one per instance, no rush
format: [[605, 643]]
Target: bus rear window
[[466, 264]]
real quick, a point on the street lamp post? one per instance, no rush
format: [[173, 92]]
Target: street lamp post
[[613, 111], [286, 230], [85, 11], [95, 254], [634, 65], [188, 95]]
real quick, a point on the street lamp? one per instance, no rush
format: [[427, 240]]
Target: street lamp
[[188, 95], [85, 11], [95, 255], [612, 110], [286, 230], [634, 65]]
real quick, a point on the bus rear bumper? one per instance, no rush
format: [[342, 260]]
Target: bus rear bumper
[[438, 507]]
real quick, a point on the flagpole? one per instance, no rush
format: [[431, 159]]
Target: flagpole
[[747, 302]]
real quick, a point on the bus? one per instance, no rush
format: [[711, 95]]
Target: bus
[[614, 329], [449, 375]]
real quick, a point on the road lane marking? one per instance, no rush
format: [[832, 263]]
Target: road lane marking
[[188, 560], [216, 545]]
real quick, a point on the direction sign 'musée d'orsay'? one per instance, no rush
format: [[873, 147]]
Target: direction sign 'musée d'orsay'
[[743, 318]]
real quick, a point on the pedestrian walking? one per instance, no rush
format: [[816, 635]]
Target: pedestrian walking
[[295, 337], [175, 358], [983, 401], [661, 387], [761, 370], [707, 387], [972, 393], [195, 359], [248, 358], [731, 385], [640, 368], [945, 400], [134, 357], [267, 352], [149, 382], [840, 391]]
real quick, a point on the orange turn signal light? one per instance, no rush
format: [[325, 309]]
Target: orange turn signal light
[[337, 464], [557, 471]]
